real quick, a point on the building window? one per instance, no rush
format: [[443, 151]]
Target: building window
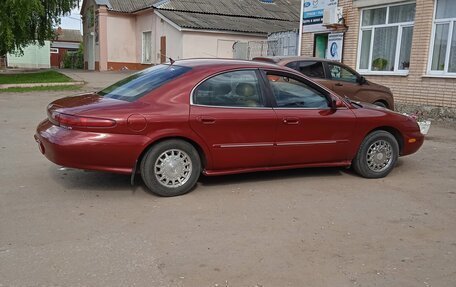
[[147, 47], [54, 50], [443, 44], [386, 39]]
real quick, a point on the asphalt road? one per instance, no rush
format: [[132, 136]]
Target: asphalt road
[[310, 227]]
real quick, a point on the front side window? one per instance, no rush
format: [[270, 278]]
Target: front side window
[[339, 73], [311, 69], [142, 83], [147, 47], [386, 39], [443, 44], [291, 93], [231, 89]]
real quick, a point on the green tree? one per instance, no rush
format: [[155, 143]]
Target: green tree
[[23, 22]]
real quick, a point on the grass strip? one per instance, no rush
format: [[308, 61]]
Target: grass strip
[[31, 78]]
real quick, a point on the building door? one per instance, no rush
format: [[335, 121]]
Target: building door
[[55, 58], [163, 55], [320, 45], [90, 53]]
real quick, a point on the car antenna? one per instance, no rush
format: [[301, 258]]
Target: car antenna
[[171, 60]]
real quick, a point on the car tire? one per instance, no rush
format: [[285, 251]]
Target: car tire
[[171, 168], [381, 104], [377, 155]]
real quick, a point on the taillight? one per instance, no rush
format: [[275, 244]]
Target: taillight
[[66, 120]]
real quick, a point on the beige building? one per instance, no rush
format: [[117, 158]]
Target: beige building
[[134, 34], [409, 46]]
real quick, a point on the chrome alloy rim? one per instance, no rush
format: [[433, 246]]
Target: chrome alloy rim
[[379, 156], [173, 168]]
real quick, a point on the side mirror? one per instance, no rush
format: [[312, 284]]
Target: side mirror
[[362, 80], [336, 103]]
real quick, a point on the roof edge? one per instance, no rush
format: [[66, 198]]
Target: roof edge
[[228, 15], [187, 29]]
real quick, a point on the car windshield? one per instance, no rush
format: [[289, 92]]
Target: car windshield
[[141, 83]]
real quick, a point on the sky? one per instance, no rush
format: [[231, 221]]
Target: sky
[[72, 21]]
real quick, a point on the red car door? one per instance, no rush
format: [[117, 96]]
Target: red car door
[[308, 130], [229, 112]]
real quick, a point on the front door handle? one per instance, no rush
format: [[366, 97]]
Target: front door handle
[[291, 121], [206, 120], [339, 85]]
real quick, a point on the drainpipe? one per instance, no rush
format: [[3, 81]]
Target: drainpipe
[[301, 16]]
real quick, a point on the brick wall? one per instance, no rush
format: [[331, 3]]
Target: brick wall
[[415, 88]]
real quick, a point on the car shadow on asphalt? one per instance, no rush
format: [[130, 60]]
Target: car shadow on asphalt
[[93, 181], [74, 179], [111, 183], [290, 174], [264, 176]]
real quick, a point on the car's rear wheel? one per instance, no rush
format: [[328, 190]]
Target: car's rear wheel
[[377, 155], [171, 168]]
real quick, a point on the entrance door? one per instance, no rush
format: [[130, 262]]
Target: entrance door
[[163, 55], [320, 45], [90, 53]]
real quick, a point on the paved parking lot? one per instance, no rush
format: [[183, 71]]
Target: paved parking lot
[[310, 227]]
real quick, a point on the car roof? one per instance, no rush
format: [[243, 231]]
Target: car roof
[[232, 63], [216, 65]]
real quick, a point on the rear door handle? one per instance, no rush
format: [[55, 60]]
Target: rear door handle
[[206, 120], [291, 121], [339, 85]]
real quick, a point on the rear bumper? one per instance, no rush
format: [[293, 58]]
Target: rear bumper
[[89, 150]]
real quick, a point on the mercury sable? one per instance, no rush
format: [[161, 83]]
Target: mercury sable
[[172, 122]]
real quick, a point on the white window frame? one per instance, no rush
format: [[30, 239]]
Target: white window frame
[[452, 25], [400, 25], [142, 48], [54, 50]]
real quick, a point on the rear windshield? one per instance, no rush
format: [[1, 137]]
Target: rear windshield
[[141, 83]]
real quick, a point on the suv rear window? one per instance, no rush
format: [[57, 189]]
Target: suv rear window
[[141, 83], [311, 69]]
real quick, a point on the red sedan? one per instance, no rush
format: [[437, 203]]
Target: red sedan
[[171, 122]]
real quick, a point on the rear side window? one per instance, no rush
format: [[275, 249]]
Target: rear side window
[[141, 83], [232, 89], [311, 69]]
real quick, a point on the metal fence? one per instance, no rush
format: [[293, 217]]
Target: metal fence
[[278, 44]]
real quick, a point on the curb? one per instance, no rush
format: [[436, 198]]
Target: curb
[[7, 86]]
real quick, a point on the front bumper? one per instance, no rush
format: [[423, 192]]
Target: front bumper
[[412, 142]]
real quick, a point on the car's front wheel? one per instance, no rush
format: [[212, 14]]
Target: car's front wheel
[[377, 155], [171, 168], [381, 104]]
